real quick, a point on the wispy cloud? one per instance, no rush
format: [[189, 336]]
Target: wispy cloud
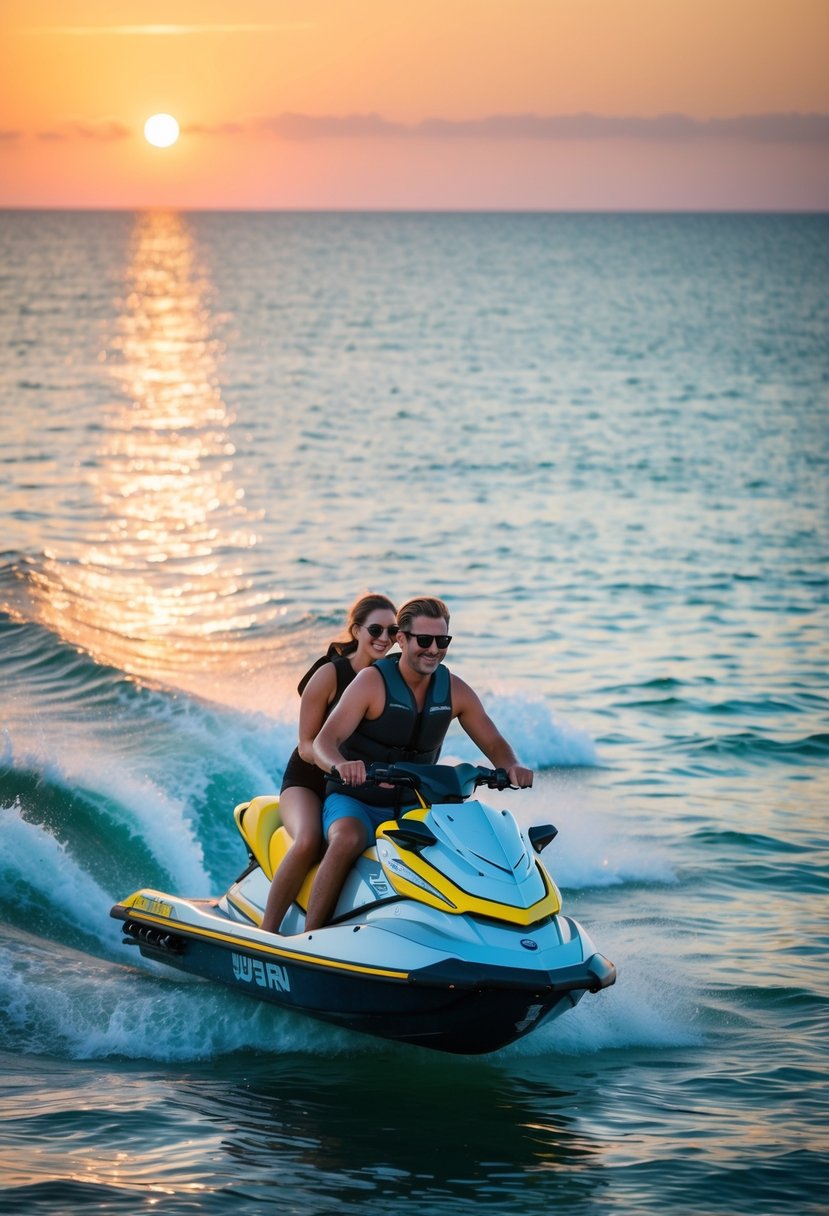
[[352, 126], [101, 132], [785, 128], [163, 31], [217, 128]]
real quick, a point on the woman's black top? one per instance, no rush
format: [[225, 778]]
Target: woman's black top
[[299, 771]]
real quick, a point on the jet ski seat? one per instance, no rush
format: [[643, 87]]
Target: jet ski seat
[[260, 825], [258, 821]]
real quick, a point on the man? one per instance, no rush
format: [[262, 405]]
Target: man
[[400, 708]]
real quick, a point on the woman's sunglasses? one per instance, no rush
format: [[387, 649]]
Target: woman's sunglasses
[[424, 640], [377, 631]]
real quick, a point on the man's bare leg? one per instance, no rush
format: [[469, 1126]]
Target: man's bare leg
[[347, 839]]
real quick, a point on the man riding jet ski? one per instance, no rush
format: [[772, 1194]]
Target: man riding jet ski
[[448, 932]]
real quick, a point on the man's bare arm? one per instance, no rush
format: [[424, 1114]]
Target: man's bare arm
[[485, 734], [359, 701]]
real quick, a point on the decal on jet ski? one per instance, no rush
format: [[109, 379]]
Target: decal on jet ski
[[156, 906], [267, 975], [378, 884], [533, 1014]]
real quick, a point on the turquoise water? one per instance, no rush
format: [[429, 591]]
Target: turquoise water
[[603, 439]]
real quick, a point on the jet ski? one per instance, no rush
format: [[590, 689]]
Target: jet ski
[[448, 933]]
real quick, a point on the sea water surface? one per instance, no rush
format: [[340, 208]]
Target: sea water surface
[[603, 440]]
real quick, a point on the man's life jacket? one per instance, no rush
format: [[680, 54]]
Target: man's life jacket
[[402, 732]]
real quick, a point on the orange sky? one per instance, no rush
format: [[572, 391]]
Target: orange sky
[[380, 103]]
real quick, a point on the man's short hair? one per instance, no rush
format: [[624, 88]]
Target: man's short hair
[[424, 606]]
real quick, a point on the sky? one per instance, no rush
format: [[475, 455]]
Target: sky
[[597, 105]]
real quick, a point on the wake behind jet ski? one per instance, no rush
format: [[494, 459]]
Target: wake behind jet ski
[[448, 933]]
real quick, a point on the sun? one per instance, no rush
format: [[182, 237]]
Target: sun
[[161, 130]]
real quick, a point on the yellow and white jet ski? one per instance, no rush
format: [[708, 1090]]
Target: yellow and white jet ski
[[448, 933]]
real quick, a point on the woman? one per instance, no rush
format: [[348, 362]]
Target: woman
[[371, 632]]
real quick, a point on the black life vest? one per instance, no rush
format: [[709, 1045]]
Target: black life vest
[[332, 655], [402, 732], [344, 673]]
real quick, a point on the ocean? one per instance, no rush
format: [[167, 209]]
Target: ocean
[[603, 440]]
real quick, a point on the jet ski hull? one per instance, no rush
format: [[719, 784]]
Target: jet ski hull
[[449, 1005]]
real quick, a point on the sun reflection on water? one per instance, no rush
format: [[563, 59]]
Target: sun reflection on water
[[164, 579]]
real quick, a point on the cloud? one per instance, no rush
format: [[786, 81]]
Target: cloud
[[103, 131], [778, 128], [219, 128], [353, 126]]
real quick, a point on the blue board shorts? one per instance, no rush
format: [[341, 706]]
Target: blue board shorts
[[341, 806]]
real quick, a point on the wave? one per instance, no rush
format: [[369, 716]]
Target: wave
[[759, 707], [748, 842], [540, 738], [672, 695], [227, 643], [69, 1005], [751, 745], [46, 889]]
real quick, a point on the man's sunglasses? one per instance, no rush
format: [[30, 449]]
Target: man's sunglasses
[[377, 631], [424, 640]]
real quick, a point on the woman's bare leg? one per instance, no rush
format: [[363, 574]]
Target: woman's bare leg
[[301, 812]]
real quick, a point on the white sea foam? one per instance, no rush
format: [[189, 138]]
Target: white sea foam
[[540, 738], [61, 1002], [136, 801], [595, 847], [42, 873], [620, 1017]]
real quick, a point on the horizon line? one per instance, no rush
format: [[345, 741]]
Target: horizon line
[[129, 209]]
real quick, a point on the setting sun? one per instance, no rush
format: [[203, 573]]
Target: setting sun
[[161, 130]]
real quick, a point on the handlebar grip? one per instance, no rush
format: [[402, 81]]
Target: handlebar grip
[[374, 774], [494, 779]]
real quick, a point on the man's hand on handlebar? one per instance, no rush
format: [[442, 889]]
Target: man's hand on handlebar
[[350, 772], [516, 778], [520, 776]]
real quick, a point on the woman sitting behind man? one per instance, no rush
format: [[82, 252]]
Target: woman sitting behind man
[[372, 630]]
